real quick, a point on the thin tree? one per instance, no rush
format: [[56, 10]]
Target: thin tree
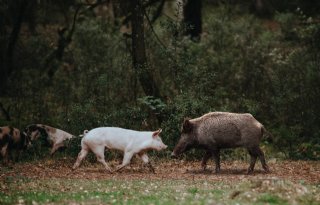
[[139, 58], [7, 64], [262, 8]]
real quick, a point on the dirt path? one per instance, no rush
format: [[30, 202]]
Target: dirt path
[[308, 171]]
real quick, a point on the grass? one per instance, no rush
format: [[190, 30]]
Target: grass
[[22, 190]]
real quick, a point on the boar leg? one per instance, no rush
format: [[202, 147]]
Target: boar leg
[[262, 160], [144, 157], [205, 158], [126, 160], [253, 158], [216, 156], [83, 153], [254, 153]]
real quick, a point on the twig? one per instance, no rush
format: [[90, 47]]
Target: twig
[[154, 33], [128, 17], [64, 41], [158, 11]]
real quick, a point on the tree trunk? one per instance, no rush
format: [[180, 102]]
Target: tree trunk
[[13, 38], [192, 18], [262, 8], [139, 58]]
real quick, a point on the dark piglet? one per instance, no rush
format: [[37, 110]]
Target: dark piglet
[[12, 139], [219, 130]]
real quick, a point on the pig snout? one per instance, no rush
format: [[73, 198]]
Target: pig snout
[[162, 147]]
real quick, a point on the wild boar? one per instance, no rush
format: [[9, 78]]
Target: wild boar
[[219, 130], [131, 142], [12, 139], [54, 137]]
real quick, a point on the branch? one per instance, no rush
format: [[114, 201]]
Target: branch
[[154, 33], [144, 6], [63, 40], [93, 5], [158, 12]]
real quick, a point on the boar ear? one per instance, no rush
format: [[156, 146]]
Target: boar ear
[[187, 125], [156, 133]]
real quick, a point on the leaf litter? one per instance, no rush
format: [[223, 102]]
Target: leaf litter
[[290, 181]]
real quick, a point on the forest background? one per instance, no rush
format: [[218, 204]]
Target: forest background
[[145, 64]]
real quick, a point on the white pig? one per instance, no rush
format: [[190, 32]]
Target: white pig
[[131, 142]]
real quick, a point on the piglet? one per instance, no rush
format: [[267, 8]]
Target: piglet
[[131, 142], [53, 137], [12, 139]]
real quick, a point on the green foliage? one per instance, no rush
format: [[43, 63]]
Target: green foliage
[[155, 104], [238, 66]]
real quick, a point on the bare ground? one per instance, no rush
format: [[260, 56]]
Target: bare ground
[[307, 171]]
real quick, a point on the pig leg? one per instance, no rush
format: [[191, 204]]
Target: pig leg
[[4, 153], [56, 147], [205, 158], [99, 152], [216, 156], [126, 160], [83, 153], [18, 154], [144, 157]]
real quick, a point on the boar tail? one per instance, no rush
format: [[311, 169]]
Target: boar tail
[[267, 135]]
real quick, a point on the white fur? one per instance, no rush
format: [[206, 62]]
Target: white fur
[[58, 138], [131, 142], [55, 136]]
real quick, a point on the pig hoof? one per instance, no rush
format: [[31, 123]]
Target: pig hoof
[[204, 169], [152, 170]]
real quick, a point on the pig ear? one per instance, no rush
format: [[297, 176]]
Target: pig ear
[[187, 125], [156, 133]]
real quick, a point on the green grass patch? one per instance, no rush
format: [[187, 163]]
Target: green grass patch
[[84, 191], [272, 199]]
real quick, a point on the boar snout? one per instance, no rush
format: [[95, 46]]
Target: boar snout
[[29, 145], [173, 155]]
